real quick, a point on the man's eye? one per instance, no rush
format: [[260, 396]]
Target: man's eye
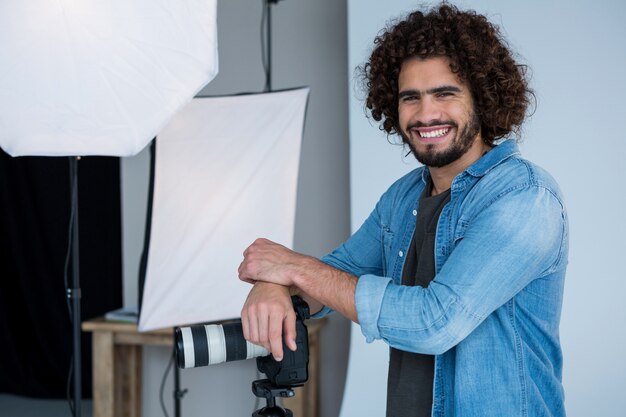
[[409, 98]]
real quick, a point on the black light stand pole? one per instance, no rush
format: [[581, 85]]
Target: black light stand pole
[[268, 28], [74, 293], [268, 36], [178, 393]]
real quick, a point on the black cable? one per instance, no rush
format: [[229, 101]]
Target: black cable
[[162, 389]]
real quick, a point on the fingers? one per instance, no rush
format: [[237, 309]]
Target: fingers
[[289, 325], [263, 322], [270, 262], [275, 336], [267, 312], [254, 325], [244, 275], [245, 325], [248, 268]]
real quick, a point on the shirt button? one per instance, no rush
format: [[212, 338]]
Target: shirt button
[[401, 254], [415, 212]]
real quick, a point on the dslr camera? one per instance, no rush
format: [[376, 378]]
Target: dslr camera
[[208, 344]]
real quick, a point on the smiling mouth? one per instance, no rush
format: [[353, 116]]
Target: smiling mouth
[[433, 134]]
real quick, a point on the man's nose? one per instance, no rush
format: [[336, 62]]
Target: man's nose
[[428, 110]]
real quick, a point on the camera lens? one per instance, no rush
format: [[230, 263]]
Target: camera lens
[[209, 344]]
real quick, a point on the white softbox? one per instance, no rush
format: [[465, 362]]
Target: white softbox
[[99, 77], [225, 173]]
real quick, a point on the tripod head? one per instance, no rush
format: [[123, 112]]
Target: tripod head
[[289, 373], [263, 388]]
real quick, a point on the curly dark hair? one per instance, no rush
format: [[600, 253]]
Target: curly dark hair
[[478, 55]]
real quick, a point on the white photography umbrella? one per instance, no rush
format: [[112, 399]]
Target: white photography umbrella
[[99, 77]]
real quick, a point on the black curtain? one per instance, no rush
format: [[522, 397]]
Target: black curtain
[[35, 329]]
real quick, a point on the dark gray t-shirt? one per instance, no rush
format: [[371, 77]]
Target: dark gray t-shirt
[[410, 380]]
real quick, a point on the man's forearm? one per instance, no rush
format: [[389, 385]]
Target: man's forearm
[[267, 261], [328, 286], [314, 305]]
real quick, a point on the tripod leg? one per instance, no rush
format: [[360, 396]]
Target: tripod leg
[[178, 393]]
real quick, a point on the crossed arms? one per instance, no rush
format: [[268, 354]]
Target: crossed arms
[[278, 273]]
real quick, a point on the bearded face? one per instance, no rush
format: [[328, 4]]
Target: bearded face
[[436, 112]]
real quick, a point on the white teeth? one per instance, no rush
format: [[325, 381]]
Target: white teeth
[[435, 133]]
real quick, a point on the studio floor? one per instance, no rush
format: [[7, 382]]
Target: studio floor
[[16, 406]]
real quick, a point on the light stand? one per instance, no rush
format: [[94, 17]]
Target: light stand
[[178, 393], [74, 293], [268, 37]]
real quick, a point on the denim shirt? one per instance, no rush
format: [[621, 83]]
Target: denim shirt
[[491, 315]]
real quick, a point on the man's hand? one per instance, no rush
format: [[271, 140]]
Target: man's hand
[[266, 314], [268, 261], [317, 283]]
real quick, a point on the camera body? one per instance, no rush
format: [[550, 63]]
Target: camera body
[[293, 370], [208, 344]]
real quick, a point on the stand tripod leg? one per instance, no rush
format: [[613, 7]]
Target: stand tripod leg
[[178, 393]]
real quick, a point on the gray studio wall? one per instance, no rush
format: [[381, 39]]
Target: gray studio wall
[[577, 51], [309, 48]]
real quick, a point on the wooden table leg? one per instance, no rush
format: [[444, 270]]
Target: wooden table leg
[[311, 399], [128, 371], [103, 374], [117, 365]]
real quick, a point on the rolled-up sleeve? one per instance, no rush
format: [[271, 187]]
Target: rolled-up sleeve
[[370, 292]]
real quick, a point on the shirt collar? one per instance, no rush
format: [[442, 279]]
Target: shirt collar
[[493, 158]]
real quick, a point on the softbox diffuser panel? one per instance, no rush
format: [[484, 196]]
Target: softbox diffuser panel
[[99, 77], [225, 174]]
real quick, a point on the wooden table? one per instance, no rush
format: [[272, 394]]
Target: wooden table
[[117, 365], [117, 368]]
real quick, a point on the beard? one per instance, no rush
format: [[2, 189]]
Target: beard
[[459, 145]]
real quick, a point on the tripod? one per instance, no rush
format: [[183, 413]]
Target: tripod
[[264, 388]]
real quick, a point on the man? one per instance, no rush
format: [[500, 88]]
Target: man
[[460, 267]]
